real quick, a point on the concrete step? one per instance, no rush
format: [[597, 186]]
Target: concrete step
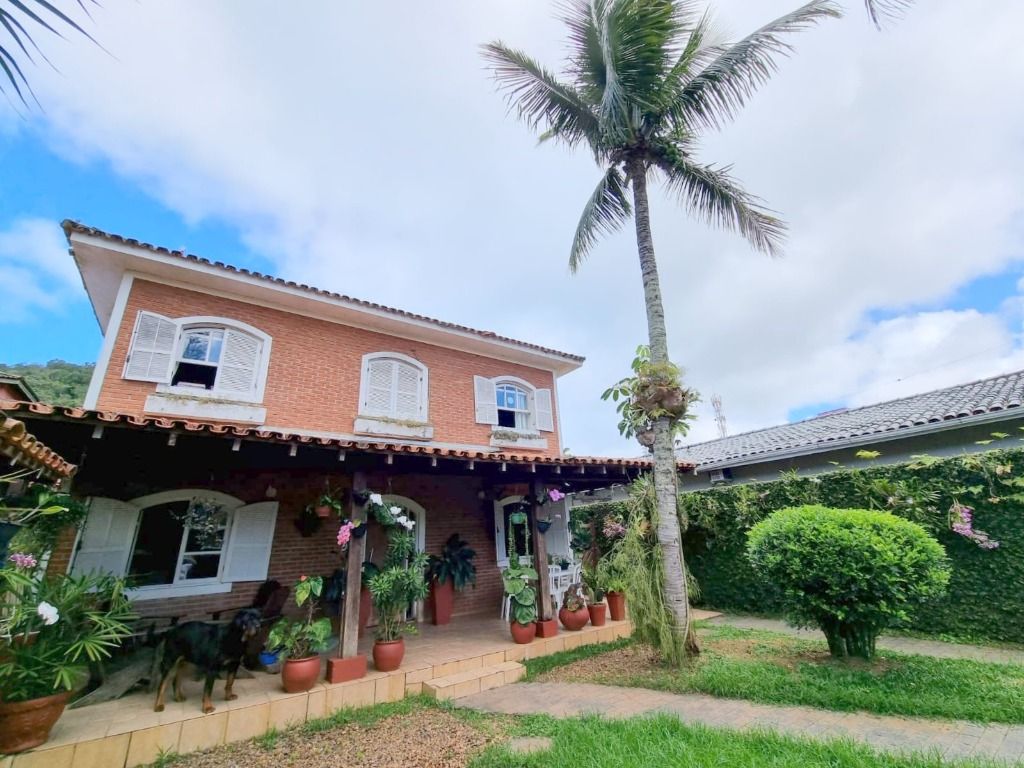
[[474, 680]]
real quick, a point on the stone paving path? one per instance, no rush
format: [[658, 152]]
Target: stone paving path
[[953, 738], [902, 644]]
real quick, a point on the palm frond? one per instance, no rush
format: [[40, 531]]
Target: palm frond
[[715, 94], [605, 212], [712, 195], [38, 15], [539, 98], [883, 10]]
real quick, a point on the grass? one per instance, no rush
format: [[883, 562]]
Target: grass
[[664, 741], [780, 669]]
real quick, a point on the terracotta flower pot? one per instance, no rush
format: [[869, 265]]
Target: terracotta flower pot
[[598, 613], [298, 675], [443, 596], [616, 606], [574, 620], [387, 656], [322, 510], [365, 609], [27, 724], [522, 633]]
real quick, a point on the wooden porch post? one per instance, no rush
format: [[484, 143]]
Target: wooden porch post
[[354, 576], [540, 557]]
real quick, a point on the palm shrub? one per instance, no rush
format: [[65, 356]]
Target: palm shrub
[[399, 583], [455, 562], [849, 572]]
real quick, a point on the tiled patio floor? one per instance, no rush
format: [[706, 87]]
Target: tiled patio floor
[[128, 733]]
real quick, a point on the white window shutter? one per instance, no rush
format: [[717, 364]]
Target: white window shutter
[[486, 400], [106, 541], [543, 412], [378, 387], [557, 537], [239, 363], [407, 392], [151, 353], [250, 541]]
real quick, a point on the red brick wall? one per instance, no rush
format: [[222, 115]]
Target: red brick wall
[[451, 506], [313, 380]]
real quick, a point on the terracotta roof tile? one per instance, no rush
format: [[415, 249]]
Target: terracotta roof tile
[[25, 451], [73, 226]]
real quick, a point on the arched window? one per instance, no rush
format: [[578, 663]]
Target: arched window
[[510, 403], [513, 406], [202, 356], [394, 386]]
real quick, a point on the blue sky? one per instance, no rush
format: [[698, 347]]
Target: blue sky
[[902, 273]]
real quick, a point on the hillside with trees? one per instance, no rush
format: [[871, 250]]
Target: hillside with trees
[[57, 382]]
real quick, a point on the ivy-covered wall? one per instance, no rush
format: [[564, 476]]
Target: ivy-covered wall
[[986, 593]]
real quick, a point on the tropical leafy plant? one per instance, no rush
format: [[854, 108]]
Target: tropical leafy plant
[[43, 513], [849, 572], [652, 392], [645, 78], [455, 562], [302, 638], [52, 627], [518, 581], [399, 584]]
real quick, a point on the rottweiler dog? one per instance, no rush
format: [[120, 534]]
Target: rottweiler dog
[[212, 648]]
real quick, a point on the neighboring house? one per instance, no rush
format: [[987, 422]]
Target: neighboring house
[[954, 420], [14, 387], [257, 394]]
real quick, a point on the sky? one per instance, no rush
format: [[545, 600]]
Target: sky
[[364, 148]]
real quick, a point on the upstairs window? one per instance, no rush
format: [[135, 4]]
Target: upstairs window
[[507, 402], [215, 357], [393, 386], [513, 407]]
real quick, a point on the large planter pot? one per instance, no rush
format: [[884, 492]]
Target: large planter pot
[[598, 613], [443, 596], [522, 633], [7, 531], [387, 656], [298, 675], [27, 724], [574, 620], [616, 605], [365, 609]]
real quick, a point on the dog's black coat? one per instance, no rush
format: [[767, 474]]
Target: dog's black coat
[[212, 648]]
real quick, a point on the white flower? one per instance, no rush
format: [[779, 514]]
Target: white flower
[[396, 511], [408, 524], [376, 498], [48, 613]]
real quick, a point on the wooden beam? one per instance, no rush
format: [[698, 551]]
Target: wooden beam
[[354, 576], [540, 555]]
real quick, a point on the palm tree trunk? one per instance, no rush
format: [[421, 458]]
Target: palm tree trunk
[[665, 478]]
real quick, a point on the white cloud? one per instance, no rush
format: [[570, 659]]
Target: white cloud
[[365, 150], [37, 274]]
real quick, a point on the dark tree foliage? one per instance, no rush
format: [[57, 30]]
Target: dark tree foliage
[[57, 382]]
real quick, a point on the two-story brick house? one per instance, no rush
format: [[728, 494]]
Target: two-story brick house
[[256, 393]]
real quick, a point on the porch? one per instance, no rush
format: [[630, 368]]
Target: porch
[[472, 653]]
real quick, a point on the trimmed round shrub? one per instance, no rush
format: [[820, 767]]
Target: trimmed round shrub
[[850, 572]]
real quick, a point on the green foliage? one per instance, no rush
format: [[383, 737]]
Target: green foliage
[[984, 600], [53, 626], [56, 382], [44, 515], [518, 581], [455, 562], [572, 600], [849, 572], [400, 583], [302, 638]]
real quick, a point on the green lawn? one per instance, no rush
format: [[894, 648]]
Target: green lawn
[[650, 742], [779, 669]]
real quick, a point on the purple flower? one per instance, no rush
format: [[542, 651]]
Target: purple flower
[[555, 495], [22, 560]]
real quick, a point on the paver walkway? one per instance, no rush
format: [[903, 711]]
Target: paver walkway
[[902, 644], [953, 738]]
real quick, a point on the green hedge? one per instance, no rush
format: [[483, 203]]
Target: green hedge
[[985, 600]]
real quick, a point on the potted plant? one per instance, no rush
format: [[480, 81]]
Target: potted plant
[[326, 503], [595, 596], [573, 613], [452, 570], [399, 583], [369, 570], [518, 581], [50, 628], [300, 641], [613, 582]]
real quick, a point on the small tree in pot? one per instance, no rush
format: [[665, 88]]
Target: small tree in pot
[[449, 572], [595, 596], [301, 641], [573, 614]]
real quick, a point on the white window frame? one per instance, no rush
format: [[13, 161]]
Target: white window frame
[[213, 322], [531, 404], [422, 394], [501, 535], [184, 587]]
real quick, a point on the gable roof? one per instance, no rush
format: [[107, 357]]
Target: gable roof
[[103, 258], [18, 382], [940, 409]]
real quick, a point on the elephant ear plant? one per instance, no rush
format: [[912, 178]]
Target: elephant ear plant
[[455, 563]]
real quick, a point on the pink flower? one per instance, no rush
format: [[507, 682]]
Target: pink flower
[[345, 533], [555, 495], [22, 560]]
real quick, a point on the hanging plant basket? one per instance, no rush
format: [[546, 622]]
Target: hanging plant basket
[[543, 525]]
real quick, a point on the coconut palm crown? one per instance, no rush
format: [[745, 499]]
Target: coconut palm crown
[[644, 79]]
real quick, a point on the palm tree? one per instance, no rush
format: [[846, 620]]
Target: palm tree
[[644, 80], [880, 10], [18, 43]]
